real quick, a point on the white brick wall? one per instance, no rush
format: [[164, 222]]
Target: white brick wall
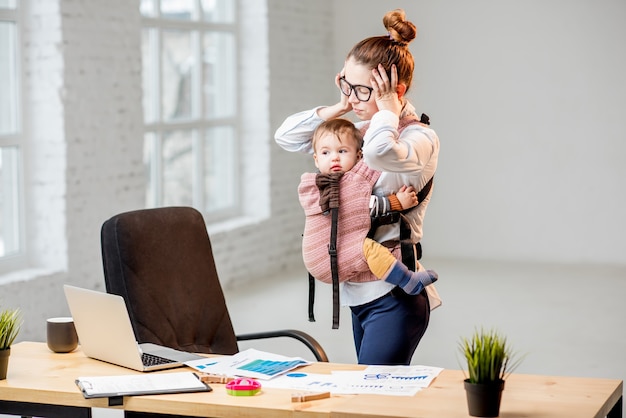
[[82, 75], [103, 123], [83, 121]]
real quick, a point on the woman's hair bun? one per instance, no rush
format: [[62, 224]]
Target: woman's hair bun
[[400, 29]]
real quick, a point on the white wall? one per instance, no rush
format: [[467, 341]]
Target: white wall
[[528, 99]]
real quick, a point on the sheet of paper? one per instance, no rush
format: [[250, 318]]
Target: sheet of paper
[[249, 363], [376, 380], [304, 381], [417, 375]]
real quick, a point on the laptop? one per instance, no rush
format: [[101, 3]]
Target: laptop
[[105, 333]]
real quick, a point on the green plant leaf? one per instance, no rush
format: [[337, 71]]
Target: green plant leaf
[[10, 324], [488, 356]]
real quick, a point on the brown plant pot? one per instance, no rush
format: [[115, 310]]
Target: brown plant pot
[[4, 362], [483, 399]]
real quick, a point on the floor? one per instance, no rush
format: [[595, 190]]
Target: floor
[[565, 321]]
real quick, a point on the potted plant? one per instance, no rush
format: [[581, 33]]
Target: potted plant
[[10, 323], [490, 360]]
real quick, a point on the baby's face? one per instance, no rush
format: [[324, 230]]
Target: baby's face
[[332, 155]]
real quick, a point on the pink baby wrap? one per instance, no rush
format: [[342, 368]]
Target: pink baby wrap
[[355, 189]]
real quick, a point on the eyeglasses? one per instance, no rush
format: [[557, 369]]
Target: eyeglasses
[[362, 93]]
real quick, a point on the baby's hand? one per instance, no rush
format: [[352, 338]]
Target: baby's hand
[[407, 197]]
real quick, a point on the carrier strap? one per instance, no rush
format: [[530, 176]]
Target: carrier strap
[[334, 269], [332, 251], [311, 297]]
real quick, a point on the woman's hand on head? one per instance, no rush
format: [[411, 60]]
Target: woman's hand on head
[[343, 99], [385, 90], [340, 108]]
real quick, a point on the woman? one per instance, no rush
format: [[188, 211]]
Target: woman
[[387, 323]]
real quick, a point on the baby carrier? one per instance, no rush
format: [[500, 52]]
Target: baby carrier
[[340, 201]]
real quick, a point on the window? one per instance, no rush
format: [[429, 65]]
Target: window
[[11, 224], [190, 105]]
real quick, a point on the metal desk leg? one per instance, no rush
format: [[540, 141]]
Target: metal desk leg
[[616, 411]]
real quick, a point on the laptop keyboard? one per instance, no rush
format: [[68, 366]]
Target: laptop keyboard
[[152, 360]]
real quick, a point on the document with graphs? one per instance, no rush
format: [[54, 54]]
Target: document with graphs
[[376, 380]]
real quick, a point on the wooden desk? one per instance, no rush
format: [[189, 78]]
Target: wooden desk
[[41, 383]]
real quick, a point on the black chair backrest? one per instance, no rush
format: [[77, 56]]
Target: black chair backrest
[[161, 262]]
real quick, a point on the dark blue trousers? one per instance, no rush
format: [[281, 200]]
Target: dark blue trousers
[[388, 329]]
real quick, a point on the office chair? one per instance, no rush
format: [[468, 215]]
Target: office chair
[[161, 262]]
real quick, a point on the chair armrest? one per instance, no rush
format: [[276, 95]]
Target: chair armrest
[[301, 336]]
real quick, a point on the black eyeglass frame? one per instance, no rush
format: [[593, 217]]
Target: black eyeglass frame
[[353, 88]]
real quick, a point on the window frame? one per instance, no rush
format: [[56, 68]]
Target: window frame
[[197, 124], [16, 140]]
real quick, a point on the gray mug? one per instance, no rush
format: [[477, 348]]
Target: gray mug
[[61, 334]]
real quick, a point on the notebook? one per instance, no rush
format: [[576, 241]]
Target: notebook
[[105, 333]]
